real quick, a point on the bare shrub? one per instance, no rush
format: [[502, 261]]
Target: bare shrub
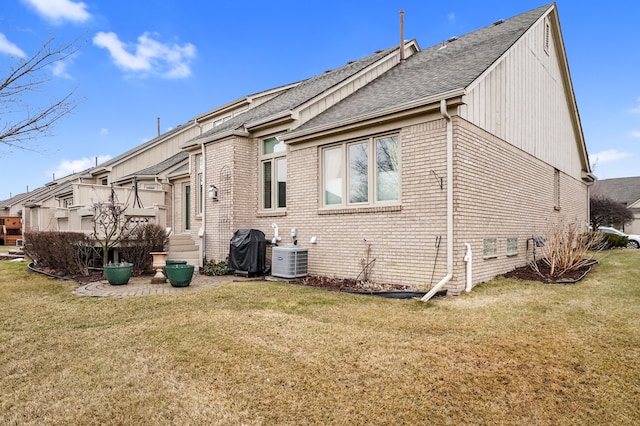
[[568, 248], [140, 242], [66, 253]]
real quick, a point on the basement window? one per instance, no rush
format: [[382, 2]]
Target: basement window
[[512, 246], [490, 248]]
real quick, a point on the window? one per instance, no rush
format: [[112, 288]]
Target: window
[[365, 172], [104, 181], [67, 202], [200, 203], [512, 246], [274, 174], [490, 247], [556, 189]]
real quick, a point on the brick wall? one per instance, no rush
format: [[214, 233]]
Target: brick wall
[[503, 192], [499, 192]]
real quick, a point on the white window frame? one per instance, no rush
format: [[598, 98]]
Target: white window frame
[[278, 173], [512, 246], [556, 189], [200, 185], [345, 177], [490, 248], [67, 202]]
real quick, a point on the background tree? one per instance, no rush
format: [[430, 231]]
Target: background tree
[[608, 212], [20, 119]]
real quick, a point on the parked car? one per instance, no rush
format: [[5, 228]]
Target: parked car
[[634, 240]]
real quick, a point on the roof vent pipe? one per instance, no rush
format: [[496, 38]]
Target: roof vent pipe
[[158, 126], [401, 36]]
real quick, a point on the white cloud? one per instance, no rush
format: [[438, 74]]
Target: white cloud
[[149, 55], [635, 134], [59, 69], [104, 131], [451, 17], [636, 109], [607, 156], [67, 167], [9, 48], [59, 11]]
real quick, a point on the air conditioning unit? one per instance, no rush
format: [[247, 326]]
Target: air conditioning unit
[[289, 261]]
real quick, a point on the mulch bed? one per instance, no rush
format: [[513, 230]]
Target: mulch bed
[[351, 285], [528, 273]]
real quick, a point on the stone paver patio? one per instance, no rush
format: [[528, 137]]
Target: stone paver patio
[[141, 286]]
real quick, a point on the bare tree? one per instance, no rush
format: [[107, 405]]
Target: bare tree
[[111, 226], [608, 212], [24, 78]]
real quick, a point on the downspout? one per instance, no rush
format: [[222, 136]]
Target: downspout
[[203, 252], [447, 278], [468, 258]]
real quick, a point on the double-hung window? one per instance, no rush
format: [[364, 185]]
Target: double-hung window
[[361, 173], [273, 163], [200, 195]]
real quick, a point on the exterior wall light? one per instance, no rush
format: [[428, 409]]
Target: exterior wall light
[[213, 192]]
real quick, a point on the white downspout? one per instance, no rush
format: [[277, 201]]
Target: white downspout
[[203, 228], [447, 278], [468, 257]]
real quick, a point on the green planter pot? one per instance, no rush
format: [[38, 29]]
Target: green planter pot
[[179, 275], [118, 273], [173, 262]]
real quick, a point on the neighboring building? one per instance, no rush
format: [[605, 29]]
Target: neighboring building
[[473, 141], [623, 190], [10, 230]]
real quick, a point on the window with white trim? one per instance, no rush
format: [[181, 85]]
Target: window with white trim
[[490, 247], [361, 173], [200, 177], [556, 189], [512, 246], [273, 174]]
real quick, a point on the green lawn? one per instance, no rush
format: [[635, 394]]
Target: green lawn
[[255, 353]]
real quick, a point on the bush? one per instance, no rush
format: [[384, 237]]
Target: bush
[[212, 268], [567, 248], [140, 242], [66, 253], [613, 240]]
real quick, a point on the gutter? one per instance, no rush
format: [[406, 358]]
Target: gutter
[[447, 278]]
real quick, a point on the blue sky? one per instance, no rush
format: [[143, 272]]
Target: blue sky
[[140, 60]]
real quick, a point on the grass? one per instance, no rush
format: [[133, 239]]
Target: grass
[[256, 353]]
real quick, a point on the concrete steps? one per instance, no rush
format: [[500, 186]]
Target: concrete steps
[[183, 247]]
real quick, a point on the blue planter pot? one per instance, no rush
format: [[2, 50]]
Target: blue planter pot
[[179, 275], [118, 273]]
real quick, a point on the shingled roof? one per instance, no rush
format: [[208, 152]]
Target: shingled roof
[[623, 190], [443, 68], [159, 168], [294, 96]]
